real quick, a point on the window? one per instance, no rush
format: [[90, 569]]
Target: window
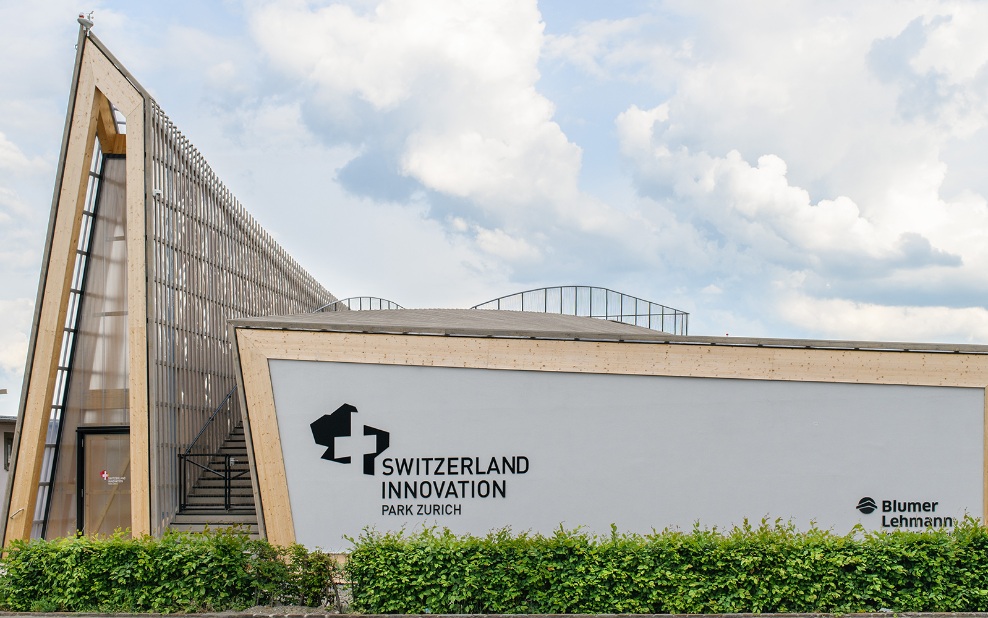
[[8, 448]]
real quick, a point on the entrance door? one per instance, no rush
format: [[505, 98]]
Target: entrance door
[[104, 479]]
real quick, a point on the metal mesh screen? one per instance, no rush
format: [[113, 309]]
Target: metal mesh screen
[[208, 262]]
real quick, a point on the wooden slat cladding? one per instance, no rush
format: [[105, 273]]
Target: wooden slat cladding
[[209, 261]]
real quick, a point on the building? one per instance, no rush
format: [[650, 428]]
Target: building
[[476, 420], [184, 370], [7, 425], [147, 256]]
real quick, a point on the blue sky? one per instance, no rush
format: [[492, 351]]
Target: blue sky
[[778, 169]]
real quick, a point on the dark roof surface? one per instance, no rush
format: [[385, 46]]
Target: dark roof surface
[[526, 324], [470, 322]]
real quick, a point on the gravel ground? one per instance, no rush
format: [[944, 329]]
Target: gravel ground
[[283, 610]]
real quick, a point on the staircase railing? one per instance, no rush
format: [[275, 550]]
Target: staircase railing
[[208, 462], [218, 433], [206, 466]]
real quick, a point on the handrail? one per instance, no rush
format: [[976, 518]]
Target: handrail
[[212, 417], [226, 475]]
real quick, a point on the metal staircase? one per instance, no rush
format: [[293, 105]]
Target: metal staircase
[[221, 495]]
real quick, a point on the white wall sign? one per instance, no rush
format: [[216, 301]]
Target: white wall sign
[[474, 450]]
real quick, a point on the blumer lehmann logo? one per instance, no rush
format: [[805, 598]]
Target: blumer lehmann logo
[[329, 427], [867, 505], [906, 513]]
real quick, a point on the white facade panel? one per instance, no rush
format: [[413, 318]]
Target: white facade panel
[[476, 450]]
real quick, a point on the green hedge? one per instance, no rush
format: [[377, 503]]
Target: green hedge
[[764, 568], [180, 572]]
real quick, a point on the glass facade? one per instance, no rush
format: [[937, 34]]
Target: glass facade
[[95, 391]]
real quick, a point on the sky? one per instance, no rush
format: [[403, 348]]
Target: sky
[[775, 168]]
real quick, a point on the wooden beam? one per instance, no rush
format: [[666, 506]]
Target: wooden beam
[[130, 102], [248, 437], [110, 141], [118, 145], [666, 359], [269, 462], [108, 399], [137, 318]]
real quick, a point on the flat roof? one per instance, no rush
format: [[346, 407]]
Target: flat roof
[[532, 325]]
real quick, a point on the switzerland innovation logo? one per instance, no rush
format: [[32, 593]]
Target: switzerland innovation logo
[[339, 424]]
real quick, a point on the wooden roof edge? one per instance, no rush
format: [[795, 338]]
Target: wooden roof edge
[[288, 323]]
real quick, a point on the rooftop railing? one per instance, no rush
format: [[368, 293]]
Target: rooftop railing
[[360, 303], [594, 302]]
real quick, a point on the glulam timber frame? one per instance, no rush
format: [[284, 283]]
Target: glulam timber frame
[[195, 258]]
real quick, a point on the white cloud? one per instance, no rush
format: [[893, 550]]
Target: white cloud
[[454, 84], [757, 208], [941, 69], [777, 160], [386, 55], [13, 350], [848, 319], [782, 145], [719, 158], [18, 214], [12, 159], [956, 47], [605, 48], [9, 204], [13, 340], [499, 243]]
